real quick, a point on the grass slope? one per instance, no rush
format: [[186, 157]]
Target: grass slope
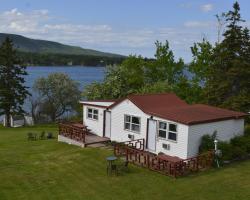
[[51, 170], [45, 47]]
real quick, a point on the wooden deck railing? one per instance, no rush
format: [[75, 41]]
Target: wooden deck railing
[[73, 132], [157, 163]]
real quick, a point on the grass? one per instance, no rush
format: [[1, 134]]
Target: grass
[[46, 169]]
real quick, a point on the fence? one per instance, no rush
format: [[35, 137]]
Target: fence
[[159, 163], [73, 132]]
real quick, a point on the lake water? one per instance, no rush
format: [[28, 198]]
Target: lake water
[[82, 74]]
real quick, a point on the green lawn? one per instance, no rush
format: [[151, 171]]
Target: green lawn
[[50, 170]]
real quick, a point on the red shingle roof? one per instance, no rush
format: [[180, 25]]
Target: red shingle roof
[[196, 114], [169, 106]]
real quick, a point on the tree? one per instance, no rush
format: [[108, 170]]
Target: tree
[[228, 75], [220, 26], [139, 75], [58, 94], [119, 80], [13, 92], [199, 67], [164, 67]]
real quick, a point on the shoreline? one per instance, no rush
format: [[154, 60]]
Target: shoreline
[[64, 66]]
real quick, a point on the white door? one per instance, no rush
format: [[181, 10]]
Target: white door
[[107, 124], [152, 131]]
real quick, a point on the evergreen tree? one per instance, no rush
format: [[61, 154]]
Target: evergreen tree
[[12, 90], [228, 83]]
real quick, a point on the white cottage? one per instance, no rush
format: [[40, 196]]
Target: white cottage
[[19, 120], [167, 123]]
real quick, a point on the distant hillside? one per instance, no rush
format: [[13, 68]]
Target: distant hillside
[[28, 45]]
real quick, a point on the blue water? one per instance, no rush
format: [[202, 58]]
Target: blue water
[[84, 75]]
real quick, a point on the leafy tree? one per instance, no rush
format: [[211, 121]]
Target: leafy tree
[[193, 89], [13, 92], [164, 67], [157, 87], [228, 76], [119, 81], [199, 66], [138, 75], [58, 94]]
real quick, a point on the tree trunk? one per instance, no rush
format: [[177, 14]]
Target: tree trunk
[[53, 117], [8, 124]]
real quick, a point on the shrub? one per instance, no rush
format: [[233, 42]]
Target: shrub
[[238, 152], [247, 131], [243, 142], [226, 149], [207, 142], [238, 147]]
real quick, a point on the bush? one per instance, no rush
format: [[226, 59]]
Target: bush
[[226, 149], [207, 142], [237, 148], [238, 152], [247, 130]]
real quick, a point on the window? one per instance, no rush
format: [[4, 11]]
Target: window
[[172, 132], [132, 123], [162, 130], [92, 113], [167, 131]]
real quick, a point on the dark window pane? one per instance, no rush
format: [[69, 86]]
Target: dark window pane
[[135, 128], [89, 115], [162, 134], [135, 120], [127, 126], [173, 127], [127, 118], [89, 110], [172, 136], [95, 116], [162, 125], [96, 112]]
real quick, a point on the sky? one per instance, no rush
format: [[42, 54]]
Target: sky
[[119, 26]]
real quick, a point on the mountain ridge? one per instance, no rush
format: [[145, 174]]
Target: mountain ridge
[[29, 45]]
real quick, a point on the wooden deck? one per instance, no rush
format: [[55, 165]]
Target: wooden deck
[[79, 134], [94, 139]]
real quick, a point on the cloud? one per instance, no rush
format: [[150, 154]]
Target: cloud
[[39, 24], [206, 7]]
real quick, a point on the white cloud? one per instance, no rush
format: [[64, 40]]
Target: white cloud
[[206, 7], [40, 24]]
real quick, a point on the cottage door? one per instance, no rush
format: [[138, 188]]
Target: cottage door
[[107, 124], [152, 131]]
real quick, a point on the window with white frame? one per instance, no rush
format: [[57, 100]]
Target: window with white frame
[[167, 131], [162, 129], [172, 131], [132, 123], [92, 113]]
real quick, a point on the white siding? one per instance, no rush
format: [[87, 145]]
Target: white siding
[[118, 133], [117, 121], [178, 148], [225, 131], [96, 126]]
